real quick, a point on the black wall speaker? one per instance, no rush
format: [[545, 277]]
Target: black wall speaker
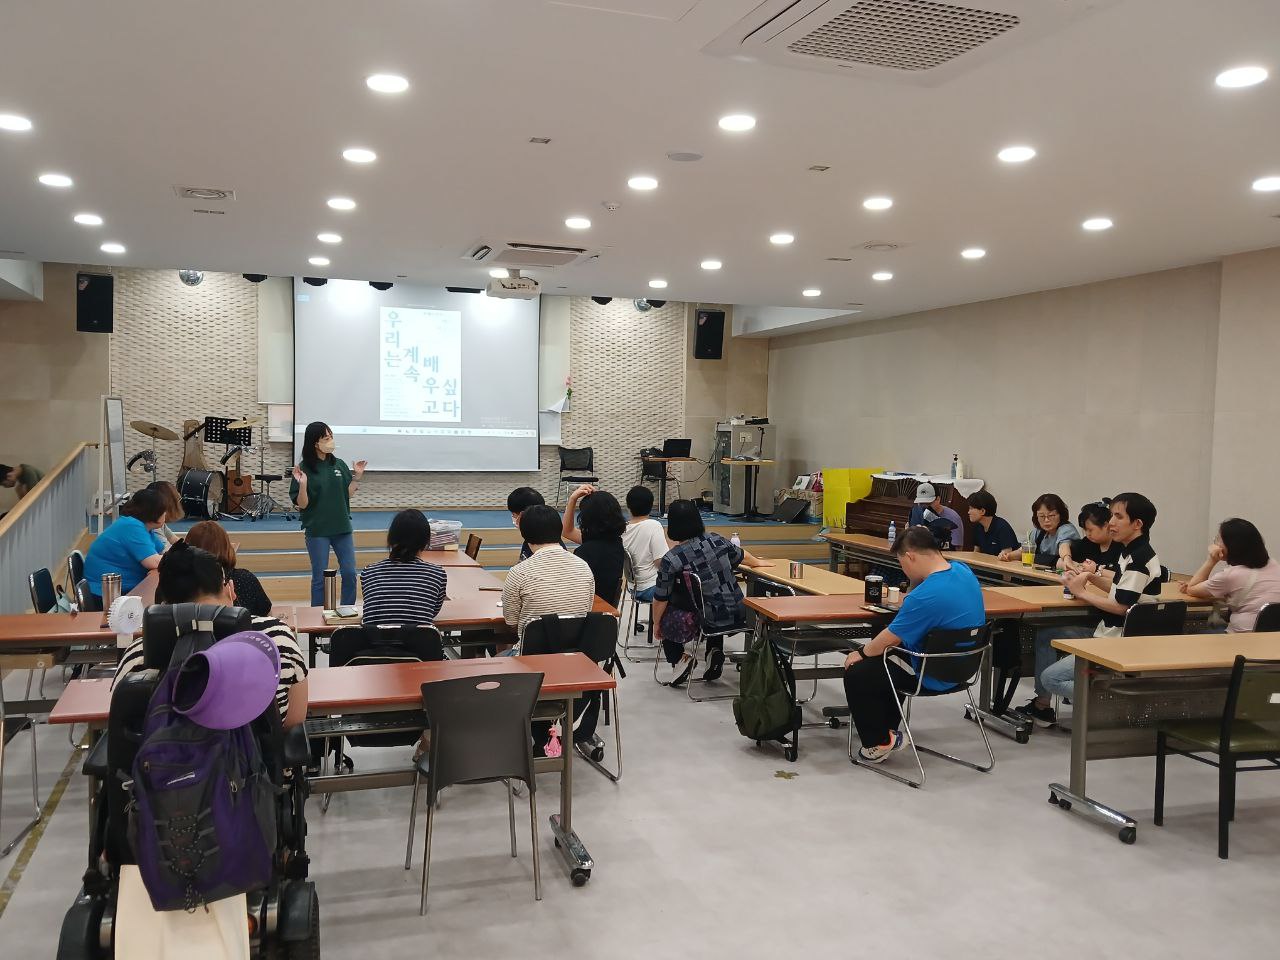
[[95, 302], [708, 342]]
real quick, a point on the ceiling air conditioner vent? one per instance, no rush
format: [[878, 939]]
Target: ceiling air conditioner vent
[[903, 34], [924, 42], [515, 253], [204, 193]]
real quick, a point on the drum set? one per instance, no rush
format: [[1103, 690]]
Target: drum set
[[211, 493]]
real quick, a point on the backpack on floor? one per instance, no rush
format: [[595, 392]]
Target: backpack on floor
[[765, 708], [202, 822]]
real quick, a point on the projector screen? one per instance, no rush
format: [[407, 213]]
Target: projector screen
[[417, 378]]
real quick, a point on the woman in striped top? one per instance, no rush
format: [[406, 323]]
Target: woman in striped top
[[404, 588], [192, 575]]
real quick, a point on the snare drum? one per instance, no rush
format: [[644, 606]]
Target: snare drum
[[201, 492]]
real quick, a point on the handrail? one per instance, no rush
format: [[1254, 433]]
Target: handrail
[[45, 524], [46, 481]]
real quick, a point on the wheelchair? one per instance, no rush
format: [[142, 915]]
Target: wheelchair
[[284, 917]]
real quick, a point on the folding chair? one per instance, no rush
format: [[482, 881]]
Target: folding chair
[[954, 657], [1248, 730], [705, 633], [1161, 619], [633, 625], [1268, 619]]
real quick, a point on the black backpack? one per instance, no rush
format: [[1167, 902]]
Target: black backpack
[[766, 708]]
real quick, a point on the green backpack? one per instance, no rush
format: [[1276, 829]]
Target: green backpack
[[765, 708]]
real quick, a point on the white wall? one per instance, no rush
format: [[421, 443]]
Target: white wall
[[1084, 391], [21, 280], [1245, 457]]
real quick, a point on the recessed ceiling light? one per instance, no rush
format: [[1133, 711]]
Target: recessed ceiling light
[[877, 203], [387, 83], [658, 284], [112, 248], [577, 223], [55, 179], [88, 219], [781, 239], [359, 155], [1241, 77], [1097, 223], [1017, 154], [812, 292], [973, 253], [642, 183], [499, 273], [319, 261], [1266, 184], [342, 203], [329, 237], [737, 122], [882, 275], [711, 264], [14, 123]]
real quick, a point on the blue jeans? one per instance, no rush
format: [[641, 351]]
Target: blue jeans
[[645, 595], [1047, 656], [1060, 679], [344, 548]]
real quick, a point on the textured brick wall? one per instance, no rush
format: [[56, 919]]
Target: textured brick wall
[[183, 352]]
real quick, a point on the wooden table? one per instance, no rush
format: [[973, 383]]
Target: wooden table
[[662, 480], [790, 622], [1051, 598], [1124, 686], [814, 580], [381, 688], [753, 477], [875, 550]]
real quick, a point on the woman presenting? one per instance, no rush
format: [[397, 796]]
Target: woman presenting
[[322, 487]]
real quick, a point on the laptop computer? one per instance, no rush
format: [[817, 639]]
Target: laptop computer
[[676, 448]]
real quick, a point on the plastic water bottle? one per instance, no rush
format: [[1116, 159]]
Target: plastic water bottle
[[893, 532], [955, 465], [736, 540]]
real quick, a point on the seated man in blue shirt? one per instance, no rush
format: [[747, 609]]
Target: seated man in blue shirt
[[943, 596], [928, 502]]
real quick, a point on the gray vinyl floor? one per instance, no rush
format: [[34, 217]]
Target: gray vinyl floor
[[712, 847]]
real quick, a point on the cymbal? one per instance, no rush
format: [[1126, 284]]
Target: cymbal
[[245, 423], [153, 430]]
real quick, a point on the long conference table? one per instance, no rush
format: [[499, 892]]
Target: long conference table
[[845, 547], [1124, 687]]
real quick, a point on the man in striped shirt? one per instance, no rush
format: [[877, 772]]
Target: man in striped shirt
[[1137, 576], [551, 581], [191, 575]]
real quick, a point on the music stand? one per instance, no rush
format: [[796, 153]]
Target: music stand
[[215, 431]]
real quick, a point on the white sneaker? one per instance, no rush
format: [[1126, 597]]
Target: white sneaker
[[881, 753], [673, 675]]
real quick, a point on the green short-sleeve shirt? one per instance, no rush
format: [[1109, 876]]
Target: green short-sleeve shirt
[[328, 510], [28, 475]]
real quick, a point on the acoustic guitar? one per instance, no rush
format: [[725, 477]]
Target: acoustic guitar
[[239, 486]]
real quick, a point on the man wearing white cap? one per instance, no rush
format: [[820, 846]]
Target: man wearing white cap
[[929, 508]]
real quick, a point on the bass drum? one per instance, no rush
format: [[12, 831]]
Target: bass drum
[[201, 492]]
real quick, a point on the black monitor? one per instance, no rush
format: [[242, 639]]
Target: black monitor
[[676, 448]]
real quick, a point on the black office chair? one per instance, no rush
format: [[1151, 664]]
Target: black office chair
[[1268, 619], [1161, 619], [1248, 730], [43, 597], [651, 472], [950, 656], [579, 463], [354, 646], [480, 733], [473, 546], [596, 636], [75, 568]]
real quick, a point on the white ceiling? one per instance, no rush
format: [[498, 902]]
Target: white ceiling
[[134, 96]]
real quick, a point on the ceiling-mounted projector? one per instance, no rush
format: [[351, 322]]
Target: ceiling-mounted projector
[[514, 288]]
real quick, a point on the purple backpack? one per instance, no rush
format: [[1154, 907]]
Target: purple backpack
[[202, 822]]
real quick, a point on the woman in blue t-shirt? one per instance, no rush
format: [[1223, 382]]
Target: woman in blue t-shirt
[[126, 547]]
